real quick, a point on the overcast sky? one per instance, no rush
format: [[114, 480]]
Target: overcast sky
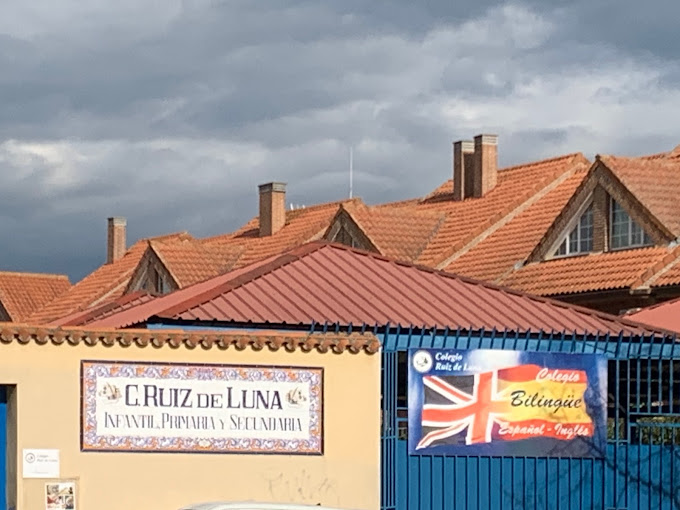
[[171, 112]]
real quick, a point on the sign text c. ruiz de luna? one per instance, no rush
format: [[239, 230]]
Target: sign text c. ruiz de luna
[[219, 408]]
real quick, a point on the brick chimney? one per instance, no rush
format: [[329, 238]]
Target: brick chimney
[[485, 173], [463, 167], [116, 243], [272, 207]]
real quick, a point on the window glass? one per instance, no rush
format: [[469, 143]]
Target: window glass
[[625, 232], [580, 238]]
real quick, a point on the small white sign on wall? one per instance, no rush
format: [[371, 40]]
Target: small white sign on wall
[[40, 463]]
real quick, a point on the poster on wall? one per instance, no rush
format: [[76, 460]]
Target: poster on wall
[[154, 407], [60, 496], [494, 402]]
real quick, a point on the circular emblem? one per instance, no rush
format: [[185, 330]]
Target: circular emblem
[[422, 361], [30, 457]]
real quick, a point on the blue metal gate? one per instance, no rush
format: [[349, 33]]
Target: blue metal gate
[[641, 468]]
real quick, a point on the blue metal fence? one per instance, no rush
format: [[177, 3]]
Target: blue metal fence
[[641, 467]]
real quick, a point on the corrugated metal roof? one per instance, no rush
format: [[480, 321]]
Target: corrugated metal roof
[[665, 315], [325, 282]]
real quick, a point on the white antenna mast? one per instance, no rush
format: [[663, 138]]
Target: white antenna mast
[[351, 169]]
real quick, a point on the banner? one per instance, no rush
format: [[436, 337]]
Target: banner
[[201, 408], [496, 402]]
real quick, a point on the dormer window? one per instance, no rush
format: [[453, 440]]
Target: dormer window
[[625, 232], [580, 237]]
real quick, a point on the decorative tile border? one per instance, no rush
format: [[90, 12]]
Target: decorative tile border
[[201, 408]]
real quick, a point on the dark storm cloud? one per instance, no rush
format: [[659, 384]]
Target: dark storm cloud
[[170, 113]]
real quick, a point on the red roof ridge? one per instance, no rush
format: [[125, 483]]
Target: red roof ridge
[[240, 235], [180, 235], [502, 218], [55, 276], [522, 166], [660, 267], [321, 342], [81, 317]]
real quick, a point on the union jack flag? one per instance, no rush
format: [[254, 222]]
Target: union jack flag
[[451, 405]]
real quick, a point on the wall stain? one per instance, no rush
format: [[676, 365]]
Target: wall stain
[[302, 487]]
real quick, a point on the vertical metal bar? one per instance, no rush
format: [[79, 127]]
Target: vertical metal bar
[[639, 458], [479, 472], [650, 440], [661, 452], [671, 403], [672, 466], [446, 335], [638, 373], [649, 377], [627, 425], [421, 342], [502, 482], [617, 375], [467, 482], [564, 333], [660, 376], [557, 480], [527, 336]]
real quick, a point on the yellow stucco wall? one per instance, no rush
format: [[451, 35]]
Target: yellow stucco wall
[[47, 408]]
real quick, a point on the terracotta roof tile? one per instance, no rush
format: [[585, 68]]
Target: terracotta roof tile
[[21, 294], [469, 218], [302, 225], [596, 271], [192, 261], [398, 232], [654, 182], [335, 343], [497, 254], [105, 284]]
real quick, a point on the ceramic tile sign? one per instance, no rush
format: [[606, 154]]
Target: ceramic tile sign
[[154, 407], [60, 496], [39, 463], [498, 402]]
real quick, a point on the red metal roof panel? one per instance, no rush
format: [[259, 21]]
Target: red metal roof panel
[[324, 282]]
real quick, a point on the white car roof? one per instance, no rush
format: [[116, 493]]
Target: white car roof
[[250, 505]]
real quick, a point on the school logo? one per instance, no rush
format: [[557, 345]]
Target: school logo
[[422, 361]]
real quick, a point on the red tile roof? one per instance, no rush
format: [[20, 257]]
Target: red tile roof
[[396, 232], [322, 282], [191, 261], [653, 180], [257, 340], [21, 294], [592, 272], [105, 284], [302, 225], [517, 188], [483, 237], [493, 257]]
